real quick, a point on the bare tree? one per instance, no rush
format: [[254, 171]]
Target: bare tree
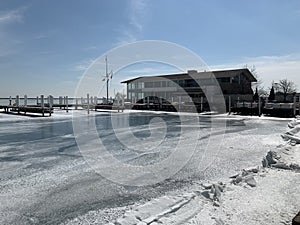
[[257, 86], [253, 70], [286, 87]]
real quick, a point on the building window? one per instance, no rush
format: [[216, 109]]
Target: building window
[[181, 83], [191, 83], [157, 84], [224, 79], [148, 84], [171, 83]]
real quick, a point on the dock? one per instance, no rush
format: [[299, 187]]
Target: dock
[[27, 109], [46, 106], [274, 109]]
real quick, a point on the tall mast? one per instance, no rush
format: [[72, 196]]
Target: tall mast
[[107, 79]]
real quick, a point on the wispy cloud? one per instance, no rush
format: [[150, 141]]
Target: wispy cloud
[[83, 65], [8, 42], [90, 48], [138, 11], [270, 68], [137, 14], [45, 34], [126, 37], [11, 16], [150, 71]]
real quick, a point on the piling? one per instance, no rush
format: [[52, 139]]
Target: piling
[[17, 100], [25, 100], [50, 101], [259, 106], [42, 104], [76, 105], [123, 101], [88, 103], [295, 106], [229, 104], [60, 101], [179, 98], [67, 104]]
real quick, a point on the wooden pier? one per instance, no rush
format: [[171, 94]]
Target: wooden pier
[[45, 106], [27, 109]]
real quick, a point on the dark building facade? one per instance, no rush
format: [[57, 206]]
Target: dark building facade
[[193, 86]]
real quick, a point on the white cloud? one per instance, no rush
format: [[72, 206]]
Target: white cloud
[[9, 43], [126, 37], [83, 65], [137, 14], [138, 11], [150, 71], [270, 68], [15, 15]]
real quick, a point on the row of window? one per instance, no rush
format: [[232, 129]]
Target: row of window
[[181, 83], [140, 95]]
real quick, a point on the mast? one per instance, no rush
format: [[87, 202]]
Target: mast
[[107, 78]]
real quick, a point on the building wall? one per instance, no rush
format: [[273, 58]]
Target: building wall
[[186, 89]]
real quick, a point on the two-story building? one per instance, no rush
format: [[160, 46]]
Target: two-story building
[[193, 86]]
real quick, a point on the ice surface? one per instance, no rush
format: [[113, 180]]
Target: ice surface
[[45, 180]]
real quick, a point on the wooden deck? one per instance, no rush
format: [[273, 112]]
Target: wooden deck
[[27, 109]]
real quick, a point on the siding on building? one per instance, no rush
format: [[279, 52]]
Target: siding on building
[[193, 85]]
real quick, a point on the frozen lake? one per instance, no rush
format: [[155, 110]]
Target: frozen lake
[[45, 180]]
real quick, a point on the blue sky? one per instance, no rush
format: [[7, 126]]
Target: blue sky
[[46, 45]]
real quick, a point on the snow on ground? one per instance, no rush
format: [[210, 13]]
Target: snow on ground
[[49, 179], [274, 200], [262, 196]]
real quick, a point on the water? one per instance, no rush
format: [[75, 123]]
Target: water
[[45, 180]]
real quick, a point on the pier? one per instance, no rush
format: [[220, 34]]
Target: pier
[[27, 109], [41, 106]]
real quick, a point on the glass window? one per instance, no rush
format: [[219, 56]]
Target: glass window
[[148, 84], [181, 83], [157, 84]]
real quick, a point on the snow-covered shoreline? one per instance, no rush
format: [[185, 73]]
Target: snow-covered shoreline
[[256, 195]]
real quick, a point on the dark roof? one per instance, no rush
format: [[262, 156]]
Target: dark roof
[[206, 74]]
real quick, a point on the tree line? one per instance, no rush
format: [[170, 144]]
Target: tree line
[[283, 86]]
